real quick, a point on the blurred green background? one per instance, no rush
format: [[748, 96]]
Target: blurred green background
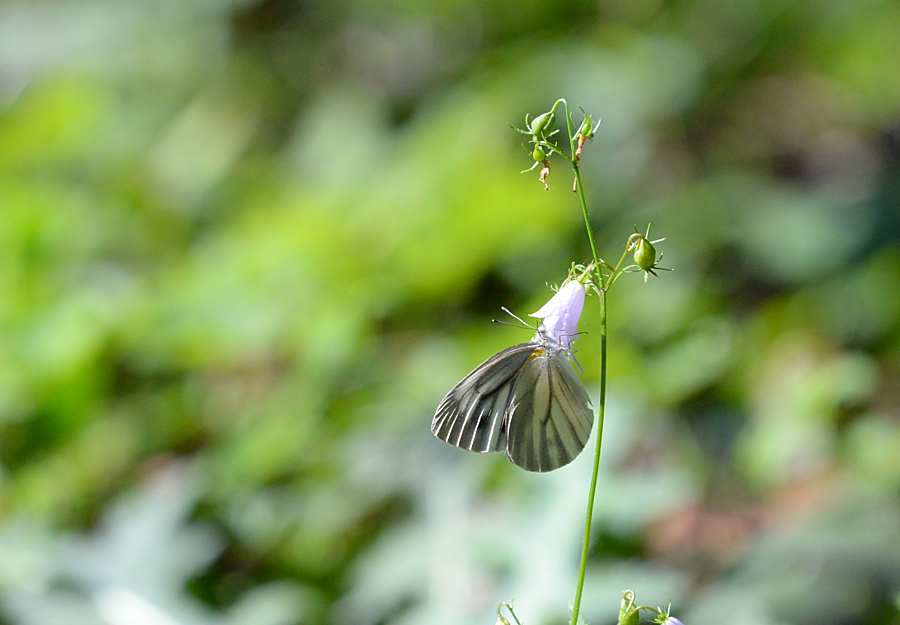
[[246, 245]]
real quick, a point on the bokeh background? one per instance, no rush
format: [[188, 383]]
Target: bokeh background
[[246, 245]]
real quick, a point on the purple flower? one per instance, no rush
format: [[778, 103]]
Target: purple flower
[[559, 316], [672, 621]]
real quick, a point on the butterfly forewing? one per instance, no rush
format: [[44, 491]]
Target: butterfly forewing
[[550, 415], [473, 414]]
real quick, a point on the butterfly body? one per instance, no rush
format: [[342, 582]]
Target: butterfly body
[[526, 400]]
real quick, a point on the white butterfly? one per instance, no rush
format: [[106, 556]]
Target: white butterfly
[[526, 399]]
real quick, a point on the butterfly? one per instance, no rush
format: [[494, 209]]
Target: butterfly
[[527, 399]]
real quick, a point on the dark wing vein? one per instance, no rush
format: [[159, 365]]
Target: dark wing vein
[[550, 416], [473, 414]]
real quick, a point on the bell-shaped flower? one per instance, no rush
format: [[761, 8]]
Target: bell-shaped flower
[[559, 316]]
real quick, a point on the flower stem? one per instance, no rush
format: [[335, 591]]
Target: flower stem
[[587, 221], [601, 408]]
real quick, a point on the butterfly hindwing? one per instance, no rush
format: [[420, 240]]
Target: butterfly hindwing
[[473, 414], [550, 416]]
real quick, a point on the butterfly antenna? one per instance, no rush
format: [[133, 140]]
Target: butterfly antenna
[[511, 325], [572, 336], [518, 318]]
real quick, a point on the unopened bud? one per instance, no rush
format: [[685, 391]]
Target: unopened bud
[[587, 127], [540, 123], [645, 254], [630, 617], [628, 612]]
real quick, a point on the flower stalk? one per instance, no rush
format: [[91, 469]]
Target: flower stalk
[[544, 146], [601, 404]]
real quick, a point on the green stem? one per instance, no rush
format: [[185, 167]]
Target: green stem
[[617, 270], [601, 408], [601, 412], [587, 221], [569, 132], [581, 196]]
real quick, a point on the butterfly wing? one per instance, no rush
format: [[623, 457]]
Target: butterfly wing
[[550, 416], [473, 414]]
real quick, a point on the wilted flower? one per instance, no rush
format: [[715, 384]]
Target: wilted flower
[[559, 316], [545, 172]]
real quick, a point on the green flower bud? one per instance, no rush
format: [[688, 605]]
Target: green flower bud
[[645, 254], [630, 617], [628, 612], [539, 124], [538, 154], [587, 126]]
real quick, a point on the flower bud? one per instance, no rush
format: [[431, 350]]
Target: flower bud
[[644, 254], [628, 612], [538, 154], [631, 616], [587, 127], [540, 123]]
